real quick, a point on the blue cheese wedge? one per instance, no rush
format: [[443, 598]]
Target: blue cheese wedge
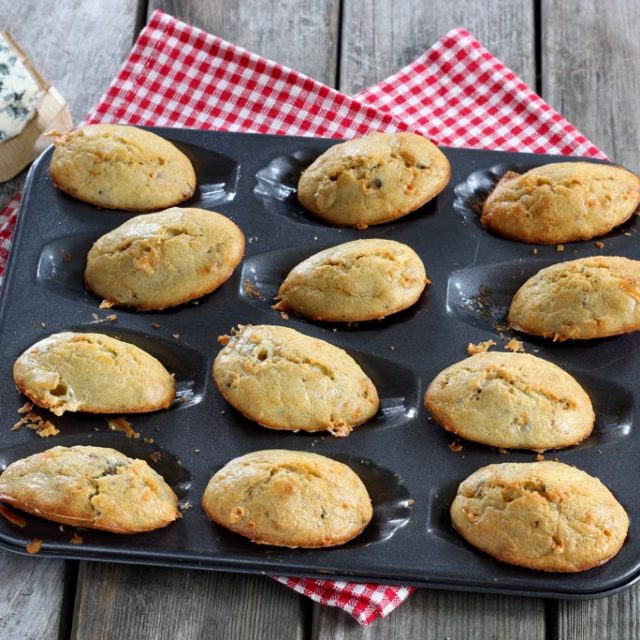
[[19, 93]]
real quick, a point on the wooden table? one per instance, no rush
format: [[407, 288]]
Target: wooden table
[[581, 56]]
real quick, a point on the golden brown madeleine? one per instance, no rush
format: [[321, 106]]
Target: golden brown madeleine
[[359, 280], [561, 202], [283, 379], [120, 167], [160, 260], [92, 372], [579, 299], [373, 179], [92, 487], [289, 499], [511, 400], [541, 515]]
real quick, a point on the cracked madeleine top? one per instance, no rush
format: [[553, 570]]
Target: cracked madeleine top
[[580, 299], [289, 498], [511, 400], [92, 372], [359, 280], [373, 179], [120, 167], [283, 379], [92, 487], [561, 202], [541, 515], [160, 260]]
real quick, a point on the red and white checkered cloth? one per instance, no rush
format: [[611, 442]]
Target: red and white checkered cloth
[[456, 93]]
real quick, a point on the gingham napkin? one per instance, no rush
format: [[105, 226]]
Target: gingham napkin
[[456, 93]]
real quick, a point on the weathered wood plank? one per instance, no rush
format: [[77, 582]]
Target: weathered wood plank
[[78, 48], [434, 615], [188, 604], [614, 617], [31, 597], [380, 36], [590, 52], [115, 601], [301, 34], [378, 39]]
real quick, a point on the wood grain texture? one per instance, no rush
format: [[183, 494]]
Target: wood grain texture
[[78, 47], [150, 603], [590, 52], [435, 615], [614, 617], [301, 34], [31, 597], [380, 36]]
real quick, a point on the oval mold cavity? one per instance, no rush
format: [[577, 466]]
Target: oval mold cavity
[[438, 517], [277, 185], [160, 460], [391, 500], [62, 263], [262, 275], [216, 176], [481, 296], [392, 508], [188, 366], [613, 405], [469, 196], [398, 390]]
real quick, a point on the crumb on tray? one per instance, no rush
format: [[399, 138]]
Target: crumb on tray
[[251, 290], [480, 347], [123, 425], [76, 539], [515, 345], [34, 546], [30, 419]]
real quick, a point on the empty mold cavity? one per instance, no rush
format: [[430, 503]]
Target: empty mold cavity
[[613, 405], [438, 516], [469, 196], [188, 366], [216, 176], [62, 263], [277, 185], [263, 274], [398, 389], [391, 500], [481, 296]]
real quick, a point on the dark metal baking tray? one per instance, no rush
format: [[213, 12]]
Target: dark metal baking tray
[[403, 457]]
